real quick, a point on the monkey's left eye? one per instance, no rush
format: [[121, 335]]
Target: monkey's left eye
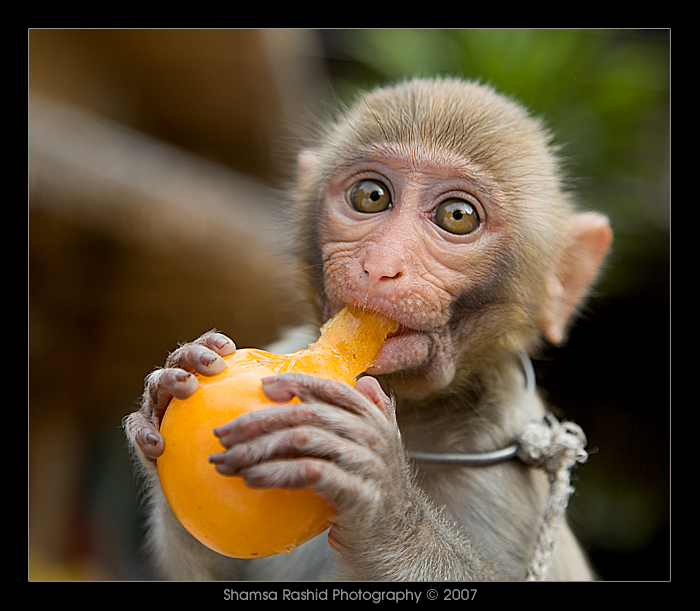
[[457, 216], [369, 196]]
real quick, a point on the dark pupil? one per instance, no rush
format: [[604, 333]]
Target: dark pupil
[[457, 215], [375, 195]]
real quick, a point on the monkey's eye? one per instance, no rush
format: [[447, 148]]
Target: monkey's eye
[[457, 216], [369, 196]]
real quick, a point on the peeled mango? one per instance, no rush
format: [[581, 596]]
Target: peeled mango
[[221, 511]]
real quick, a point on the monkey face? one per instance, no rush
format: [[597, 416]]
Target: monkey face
[[413, 235]]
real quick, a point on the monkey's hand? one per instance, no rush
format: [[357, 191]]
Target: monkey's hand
[[178, 554], [343, 442], [176, 379]]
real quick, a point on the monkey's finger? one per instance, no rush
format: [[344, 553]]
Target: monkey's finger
[[201, 354], [275, 418], [370, 387], [164, 384], [285, 386], [261, 422], [295, 443], [218, 342], [300, 474], [144, 433], [196, 358], [341, 489]]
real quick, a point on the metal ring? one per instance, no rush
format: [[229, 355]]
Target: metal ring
[[476, 460]]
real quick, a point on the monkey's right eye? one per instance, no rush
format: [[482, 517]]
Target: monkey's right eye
[[369, 196]]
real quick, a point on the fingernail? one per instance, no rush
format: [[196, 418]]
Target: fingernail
[[221, 341], [207, 358], [152, 439], [216, 459], [183, 376]]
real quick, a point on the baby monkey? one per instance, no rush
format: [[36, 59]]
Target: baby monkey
[[441, 205]]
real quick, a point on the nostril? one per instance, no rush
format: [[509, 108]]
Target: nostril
[[381, 276]]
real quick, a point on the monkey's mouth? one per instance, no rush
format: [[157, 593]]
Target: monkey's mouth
[[402, 330], [404, 348]]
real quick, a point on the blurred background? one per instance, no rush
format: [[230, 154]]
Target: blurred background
[[155, 159]]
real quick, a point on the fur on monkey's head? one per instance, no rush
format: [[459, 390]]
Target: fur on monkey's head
[[466, 117]]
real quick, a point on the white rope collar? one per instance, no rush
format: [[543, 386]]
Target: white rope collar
[[545, 444]]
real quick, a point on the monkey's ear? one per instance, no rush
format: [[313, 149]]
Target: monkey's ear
[[588, 239]]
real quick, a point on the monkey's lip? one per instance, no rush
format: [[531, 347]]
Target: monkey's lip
[[402, 330], [403, 349]]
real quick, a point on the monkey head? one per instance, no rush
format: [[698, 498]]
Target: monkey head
[[442, 205]]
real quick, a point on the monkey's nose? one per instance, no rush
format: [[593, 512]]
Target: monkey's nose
[[384, 261], [376, 275]]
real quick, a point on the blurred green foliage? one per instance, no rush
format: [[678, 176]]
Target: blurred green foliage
[[605, 94]]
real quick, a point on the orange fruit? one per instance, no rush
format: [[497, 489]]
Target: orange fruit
[[221, 511]]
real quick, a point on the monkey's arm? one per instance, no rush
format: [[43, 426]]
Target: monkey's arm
[[178, 554], [345, 443]]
